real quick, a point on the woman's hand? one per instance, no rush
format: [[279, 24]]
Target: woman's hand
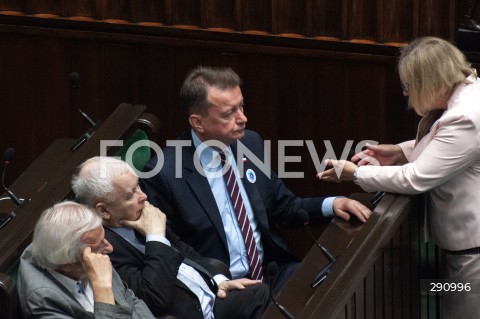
[[380, 155], [341, 171]]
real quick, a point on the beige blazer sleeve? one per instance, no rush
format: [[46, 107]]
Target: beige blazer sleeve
[[448, 150]]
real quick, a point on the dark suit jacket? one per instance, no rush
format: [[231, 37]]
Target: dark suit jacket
[[192, 211], [153, 275]]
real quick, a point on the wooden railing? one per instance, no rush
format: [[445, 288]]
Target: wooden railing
[[378, 272]]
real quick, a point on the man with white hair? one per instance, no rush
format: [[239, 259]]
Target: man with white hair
[[162, 270], [65, 272]]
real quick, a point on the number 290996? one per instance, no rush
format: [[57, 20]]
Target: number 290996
[[439, 287]]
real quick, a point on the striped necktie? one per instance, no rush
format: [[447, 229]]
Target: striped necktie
[[243, 221]]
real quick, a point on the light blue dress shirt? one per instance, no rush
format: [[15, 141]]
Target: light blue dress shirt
[[210, 161]]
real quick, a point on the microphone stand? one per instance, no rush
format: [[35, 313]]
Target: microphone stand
[[8, 157], [12, 215], [322, 275], [85, 137], [272, 270], [74, 82]]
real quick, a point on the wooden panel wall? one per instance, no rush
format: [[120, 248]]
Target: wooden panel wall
[[375, 21], [312, 70]]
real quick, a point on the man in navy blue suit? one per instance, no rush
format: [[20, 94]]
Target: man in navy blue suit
[[191, 190]]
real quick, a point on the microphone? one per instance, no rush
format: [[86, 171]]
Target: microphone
[[272, 270], [303, 215], [376, 198], [87, 118], [8, 157], [74, 81]]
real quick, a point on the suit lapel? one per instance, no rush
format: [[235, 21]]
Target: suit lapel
[[203, 272], [116, 240], [75, 306], [201, 189]]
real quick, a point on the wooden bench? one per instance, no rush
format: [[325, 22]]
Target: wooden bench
[[47, 181]]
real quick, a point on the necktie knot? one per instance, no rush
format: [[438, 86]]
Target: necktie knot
[[223, 158], [225, 165]]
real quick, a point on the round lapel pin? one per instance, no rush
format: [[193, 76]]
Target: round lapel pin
[[251, 177]]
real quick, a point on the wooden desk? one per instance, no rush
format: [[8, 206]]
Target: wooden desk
[[373, 267]]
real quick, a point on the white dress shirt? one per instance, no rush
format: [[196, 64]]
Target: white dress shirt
[[186, 274]]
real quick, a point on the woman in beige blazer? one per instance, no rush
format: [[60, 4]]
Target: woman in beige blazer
[[443, 162]]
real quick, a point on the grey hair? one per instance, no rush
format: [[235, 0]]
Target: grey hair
[[57, 238], [93, 181]]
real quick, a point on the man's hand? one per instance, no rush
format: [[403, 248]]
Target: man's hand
[[381, 154], [343, 207], [237, 284], [151, 222], [99, 271]]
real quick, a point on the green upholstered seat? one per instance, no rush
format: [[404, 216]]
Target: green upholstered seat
[[141, 155]]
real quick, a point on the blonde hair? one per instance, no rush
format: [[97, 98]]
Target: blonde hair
[[430, 68]]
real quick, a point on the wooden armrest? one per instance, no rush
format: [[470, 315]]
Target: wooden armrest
[[220, 266], [150, 124], [8, 297]]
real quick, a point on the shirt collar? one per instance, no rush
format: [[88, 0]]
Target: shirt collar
[[471, 80], [125, 232], [209, 157], [68, 282]]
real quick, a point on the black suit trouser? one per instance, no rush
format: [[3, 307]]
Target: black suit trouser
[[243, 304]]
